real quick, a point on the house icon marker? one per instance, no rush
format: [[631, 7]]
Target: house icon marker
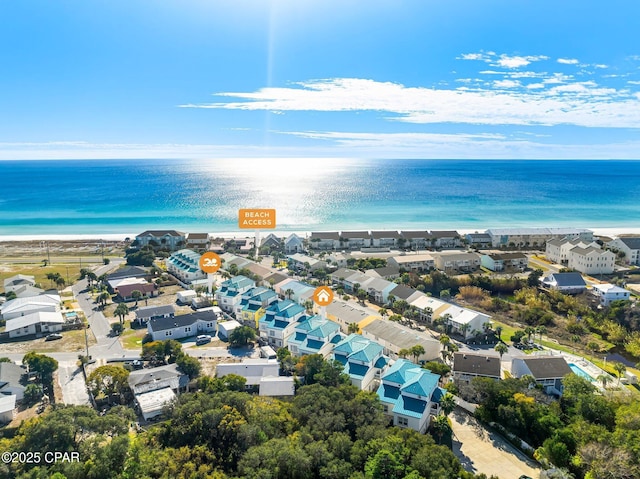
[[323, 296]]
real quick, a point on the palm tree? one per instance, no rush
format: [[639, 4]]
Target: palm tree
[[136, 294], [353, 328], [103, 298], [417, 351], [447, 404], [620, 369], [464, 328], [53, 277], [403, 353], [501, 348], [60, 282], [604, 379], [121, 311], [541, 330], [440, 426], [383, 312], [498, 331], [529, 331]]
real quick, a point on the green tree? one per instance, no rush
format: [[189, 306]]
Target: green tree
[[33, 393], [109, 380], [189, 365], [289, 292], [353, 328], [241, 336], [103, 297], [384, 465], [416, 352], [121, 311], [447, 404], [116, 329], [501, 349], [441, 426], [43, 365], [620, 370], [136, 294]]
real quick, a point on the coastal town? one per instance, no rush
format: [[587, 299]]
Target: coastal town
[[431, 323]]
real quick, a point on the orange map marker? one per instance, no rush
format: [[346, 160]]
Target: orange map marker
[[323, 296], [210, 262]]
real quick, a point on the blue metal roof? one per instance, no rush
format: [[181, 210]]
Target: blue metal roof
[[388, 393], [356, 370], [410, 407]]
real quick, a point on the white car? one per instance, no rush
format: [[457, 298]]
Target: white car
[[203, 339]]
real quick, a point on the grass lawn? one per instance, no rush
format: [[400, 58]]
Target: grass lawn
[[132, 338], [507, 330], [71, 271]]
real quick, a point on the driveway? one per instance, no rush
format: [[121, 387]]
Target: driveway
[[71, 380], [483, 451]]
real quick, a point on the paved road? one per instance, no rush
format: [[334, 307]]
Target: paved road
[[483, 451], [71, 380]]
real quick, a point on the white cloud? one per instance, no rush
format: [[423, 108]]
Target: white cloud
[[568, 61], [577, 103], [633, 82], [506, 84], [518, 61], [535, 86]]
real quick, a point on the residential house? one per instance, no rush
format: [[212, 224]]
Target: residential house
[[156, 388], [569, 283], [278, 322], [325, 240], [170, 239], [225, 328], [7, 408], [457, 261], [467, 366], [125, 291], [299, 262], [385, 239], [355, 240], [354, 280], [128, 272], [270, 241], [183, 326], [386, 272], [252, 369], [559, 250], [18, 281], [445, 239], [337, 259], [253, 305], [27, 291], [393, 337], [504, 261], [416, 240], [379, 290], [198, 241], [148, 313], [592, 260], [362, 359], [277, 386], [607, 293], [230, 293], [630, 246], [185, 266], [413, 262], [478, 240], [534, 237], [11, 380], [15, 308], [293, 244], [345, 314], [410, 395], [294, 290], [274, 278], [313, 335], [547, 371], [38, 323], [185, 297], [257, 271], [405, 293]]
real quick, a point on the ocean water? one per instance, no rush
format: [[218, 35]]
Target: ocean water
[[129, 196]]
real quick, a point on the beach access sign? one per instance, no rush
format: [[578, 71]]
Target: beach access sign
[[256, 219], [210, 262]]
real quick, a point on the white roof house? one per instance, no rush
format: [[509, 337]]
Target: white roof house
[[253, 370], [277, 386], [17, 281], [152, 403], [226, 327], [23, 306], [40, 322], [7, 408], [609, 292]]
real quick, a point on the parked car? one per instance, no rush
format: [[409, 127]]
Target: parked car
[[53, 337], [203, 339]]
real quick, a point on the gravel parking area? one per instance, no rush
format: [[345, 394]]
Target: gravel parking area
[[483, 451]]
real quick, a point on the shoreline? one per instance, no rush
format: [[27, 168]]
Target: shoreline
[[117, 237]]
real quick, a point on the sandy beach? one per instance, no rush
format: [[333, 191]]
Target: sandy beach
[[114, 237]]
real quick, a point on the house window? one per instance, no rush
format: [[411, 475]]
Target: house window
[[403, 422], [168, 333], [187, 329], [385, 408]]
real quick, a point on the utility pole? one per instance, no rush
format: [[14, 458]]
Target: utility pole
[[48, 254]]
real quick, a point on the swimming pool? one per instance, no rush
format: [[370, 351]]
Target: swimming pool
[[580, 372]]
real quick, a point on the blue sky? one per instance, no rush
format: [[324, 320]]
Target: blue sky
[[319, 78]]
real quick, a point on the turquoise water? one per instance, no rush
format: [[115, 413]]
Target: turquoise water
[[116, 196], [577, 370]]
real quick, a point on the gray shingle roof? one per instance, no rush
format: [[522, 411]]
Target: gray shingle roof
[[478, 364], [544, 367], [150, 311], [162, 324], [631, 242]]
